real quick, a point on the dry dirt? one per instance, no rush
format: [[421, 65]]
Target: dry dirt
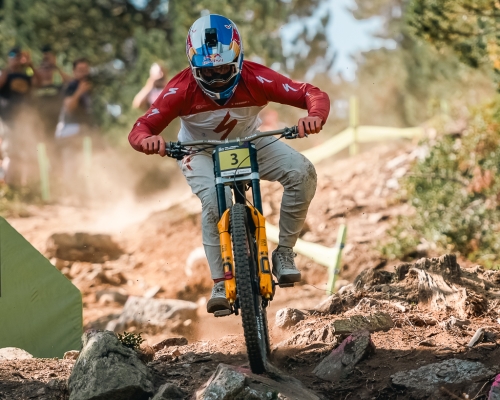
[[160, 236]]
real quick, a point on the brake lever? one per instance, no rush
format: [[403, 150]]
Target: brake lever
[[176, 150], [292, 133]]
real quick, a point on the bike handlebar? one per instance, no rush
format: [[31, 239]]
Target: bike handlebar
[[178, 150]]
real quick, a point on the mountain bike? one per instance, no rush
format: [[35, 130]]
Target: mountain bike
[[248, 280]]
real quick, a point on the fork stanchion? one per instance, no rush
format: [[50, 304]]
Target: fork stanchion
[[43, 164], [334, 267]]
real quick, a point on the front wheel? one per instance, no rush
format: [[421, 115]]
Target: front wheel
[[253, 314]]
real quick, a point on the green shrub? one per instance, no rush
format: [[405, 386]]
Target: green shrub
[[455, 194], [131, 340]]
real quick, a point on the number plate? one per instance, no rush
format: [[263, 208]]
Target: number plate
[[234, 161]]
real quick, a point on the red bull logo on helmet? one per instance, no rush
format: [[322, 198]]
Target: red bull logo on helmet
[[212, 59]]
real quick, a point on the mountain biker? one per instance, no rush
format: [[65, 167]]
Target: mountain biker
[[219, 96]]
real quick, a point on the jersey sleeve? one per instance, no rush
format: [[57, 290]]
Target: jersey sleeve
[[280, 89], [165, 108]]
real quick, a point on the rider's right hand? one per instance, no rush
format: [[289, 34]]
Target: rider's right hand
[[154, 145]]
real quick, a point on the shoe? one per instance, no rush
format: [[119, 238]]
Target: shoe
[[284, 268], [218, 299]]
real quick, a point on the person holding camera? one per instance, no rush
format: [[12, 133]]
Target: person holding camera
[[76, 113], [152, 89]]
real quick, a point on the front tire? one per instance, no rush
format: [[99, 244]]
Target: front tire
[[253, 314]]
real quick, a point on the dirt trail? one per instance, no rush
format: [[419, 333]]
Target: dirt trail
[[160, 246]]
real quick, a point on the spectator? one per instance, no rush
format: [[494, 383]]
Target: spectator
[[75, 121], [152, 89], [49, 92], [76, 113], [16, 82]]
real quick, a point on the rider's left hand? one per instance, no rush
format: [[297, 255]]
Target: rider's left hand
[[309, 125]]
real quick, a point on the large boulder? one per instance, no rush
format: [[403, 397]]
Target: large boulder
[[107, 370], [232, 383], [145, 313], [430, 377], [13, 353], [341, 361]]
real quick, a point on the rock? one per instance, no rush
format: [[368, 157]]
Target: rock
[[60, 264], [82, 247], [146, 353], [308, 336], [287, 317], [175, 341], [371, 277], [108, 370], [476, 338], [13, 353], [452, 321], [142, 312], [436, 286], [232, 383], [225, 384], [492, 276], [71, 355], [169, 391], [331, 305], [429, 377], [341, 361], [495, 389], [107, 296], [372, 323]]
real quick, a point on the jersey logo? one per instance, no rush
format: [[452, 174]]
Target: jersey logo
[[262, 80], [171, 91], [228, 26], [226, 125], [154, 111], [287, 87]]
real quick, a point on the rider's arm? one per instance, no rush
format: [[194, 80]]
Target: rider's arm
[[165, 108], [280, 89]]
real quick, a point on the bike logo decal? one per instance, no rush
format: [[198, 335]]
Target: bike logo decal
[[287, 87], [226, 125], [154, 111], [262, 80], [171, 91]]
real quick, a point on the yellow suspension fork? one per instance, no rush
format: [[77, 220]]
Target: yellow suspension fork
[[264, 267], [227, 257]]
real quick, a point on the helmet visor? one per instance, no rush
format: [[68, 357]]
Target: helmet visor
[[216, 77]]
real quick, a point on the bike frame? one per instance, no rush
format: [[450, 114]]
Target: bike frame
[[244, 174]]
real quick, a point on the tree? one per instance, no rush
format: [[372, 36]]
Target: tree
[[413, 78], [469, 28]]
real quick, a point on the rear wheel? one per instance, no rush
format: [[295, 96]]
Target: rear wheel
[[253, 314]]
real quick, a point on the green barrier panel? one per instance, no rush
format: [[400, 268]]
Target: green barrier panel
[[40, 309]]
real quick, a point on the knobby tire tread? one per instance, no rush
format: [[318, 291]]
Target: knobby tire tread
[[239, 232]]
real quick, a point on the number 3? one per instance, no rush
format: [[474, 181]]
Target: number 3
[[234, 158]]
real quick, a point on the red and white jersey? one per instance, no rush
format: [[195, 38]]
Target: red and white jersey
[[202, 119]]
